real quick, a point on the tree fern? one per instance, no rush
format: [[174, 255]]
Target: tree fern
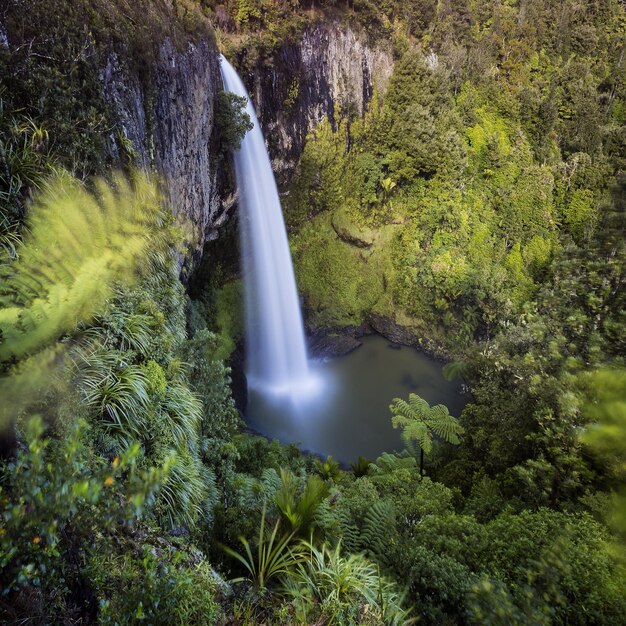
[[78, 243], [419, 421], [387, 462]]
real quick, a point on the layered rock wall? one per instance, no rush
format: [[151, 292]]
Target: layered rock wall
[[329, 70], [168, 125]]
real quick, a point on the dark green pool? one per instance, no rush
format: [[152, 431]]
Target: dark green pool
[[348, 413]]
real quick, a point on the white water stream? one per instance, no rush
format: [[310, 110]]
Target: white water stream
[[276, 350]]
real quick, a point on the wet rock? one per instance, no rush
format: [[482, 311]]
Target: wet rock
[[4, 38], [168, 125], [325, 344], [331, 69]]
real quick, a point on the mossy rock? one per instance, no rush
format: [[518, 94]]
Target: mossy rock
[[348, 231]]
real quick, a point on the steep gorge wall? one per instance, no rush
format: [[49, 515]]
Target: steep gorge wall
[[132, 85], [171, 126], [331, 69]]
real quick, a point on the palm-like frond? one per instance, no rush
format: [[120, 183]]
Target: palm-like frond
[[182, 499], [78, 244], [328, 469], [117, 391], [299, 510], [444, 425], [184, 410], [122, 330], [420, 421], [273, 556]]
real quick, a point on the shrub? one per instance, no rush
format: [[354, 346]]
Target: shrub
[[56, 498], [326, 585], [160, 587]]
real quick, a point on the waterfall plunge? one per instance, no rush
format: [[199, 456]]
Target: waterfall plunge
[[277, 359]]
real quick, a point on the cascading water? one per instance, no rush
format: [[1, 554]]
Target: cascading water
[[277, 357], [349, 417]]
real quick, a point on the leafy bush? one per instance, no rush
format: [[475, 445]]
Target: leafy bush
[[326, 585], [232, 121], [58, 500], [160, 587], [99, 238]]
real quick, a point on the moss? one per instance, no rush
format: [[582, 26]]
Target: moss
[[340, 282], [229, 317]]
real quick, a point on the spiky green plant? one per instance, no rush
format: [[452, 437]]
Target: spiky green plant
[[299, 510], [419, 422], [187, 494], [328, 469], [273, 555], [24, 162], [184, 413], [360, 467], [118, 393], [124, 331], [326, 584]]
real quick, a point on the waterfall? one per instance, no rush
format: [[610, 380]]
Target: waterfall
[[276, 350]]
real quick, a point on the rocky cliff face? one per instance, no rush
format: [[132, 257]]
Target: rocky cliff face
[[330, 69], [169, 124]]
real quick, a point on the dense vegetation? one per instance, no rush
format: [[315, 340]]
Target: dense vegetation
[[487, 181]]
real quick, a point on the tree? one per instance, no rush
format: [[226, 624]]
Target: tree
[[420, 422]]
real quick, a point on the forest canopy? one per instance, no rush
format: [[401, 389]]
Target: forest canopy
[[477, 208]]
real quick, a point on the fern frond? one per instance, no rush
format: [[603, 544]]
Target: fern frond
[[420, 421], [375, 532], [445, 425], [77, 245]]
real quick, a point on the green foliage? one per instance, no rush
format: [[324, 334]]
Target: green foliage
[[54, 496], [160, 588], [273, 555], [232, 122], [607, 437], [468, 205], [342, 589], [420, 421], [98, 239], [210, 378], [541, 567], [299, 511], [360, 467], [328, 469], [23, 163]]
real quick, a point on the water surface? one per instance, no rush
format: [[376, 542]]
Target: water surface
[[347, 414]]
